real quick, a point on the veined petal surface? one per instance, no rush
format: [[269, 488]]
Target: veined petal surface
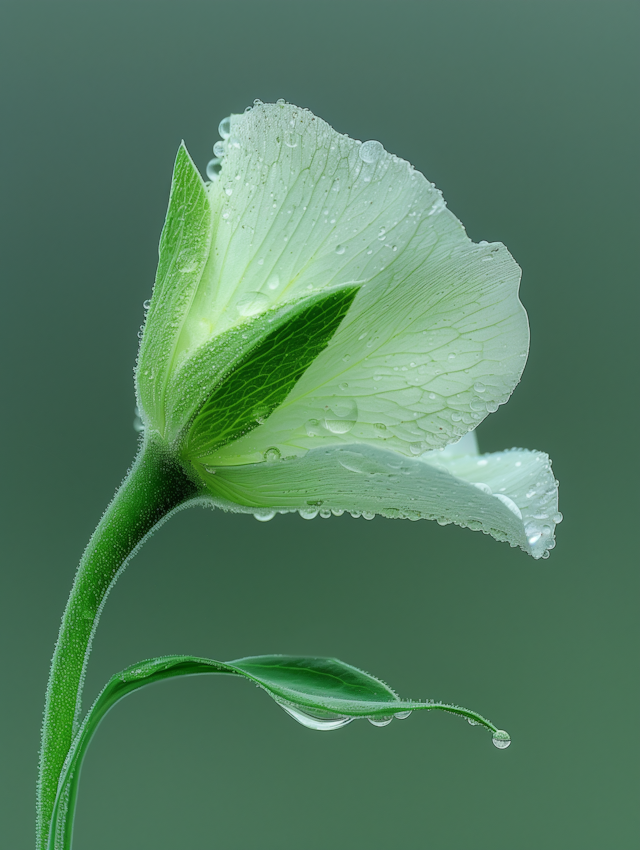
[[435, 340], [510, 495]]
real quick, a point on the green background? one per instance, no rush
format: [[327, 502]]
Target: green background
[[525, 115]]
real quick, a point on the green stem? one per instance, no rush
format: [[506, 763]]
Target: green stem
[[155, 486]]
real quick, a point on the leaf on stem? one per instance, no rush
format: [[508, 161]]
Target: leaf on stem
[[320, 693]]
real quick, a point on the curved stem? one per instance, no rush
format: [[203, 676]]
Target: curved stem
[[155, 486]]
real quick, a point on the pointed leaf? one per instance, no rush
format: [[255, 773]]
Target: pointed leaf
[[320, 693]]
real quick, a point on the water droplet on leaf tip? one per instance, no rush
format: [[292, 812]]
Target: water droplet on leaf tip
[[501, 739]]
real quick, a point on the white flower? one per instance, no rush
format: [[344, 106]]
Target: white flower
[[321, 326]]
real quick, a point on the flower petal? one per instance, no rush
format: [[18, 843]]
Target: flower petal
[[437, 337], [511, 495]]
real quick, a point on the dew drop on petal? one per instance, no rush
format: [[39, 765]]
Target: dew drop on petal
[[252, 303], [224, 127], [370, 151], [342, 416], [264, 516], [213, 168]]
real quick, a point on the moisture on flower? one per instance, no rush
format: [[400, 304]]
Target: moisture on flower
[[324, 337]]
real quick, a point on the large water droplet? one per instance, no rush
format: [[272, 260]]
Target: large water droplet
[[342, 416], [381, 721], [501, 739], [402, 715], [272, 454], [509, 503], [224, 127], [308, 513], [370, 151], [322, 723], [264, 516], [313, 427], [252, 303], [274, 281]]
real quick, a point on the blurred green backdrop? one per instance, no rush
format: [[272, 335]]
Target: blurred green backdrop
[[525, 115]]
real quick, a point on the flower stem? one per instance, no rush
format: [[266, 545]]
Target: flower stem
[[155, 486]]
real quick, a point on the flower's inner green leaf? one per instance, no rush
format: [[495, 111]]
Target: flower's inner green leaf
[[265, 376], [320, 693], [183, 252]]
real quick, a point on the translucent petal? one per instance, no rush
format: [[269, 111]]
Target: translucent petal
[[437, 337], [511, 495]]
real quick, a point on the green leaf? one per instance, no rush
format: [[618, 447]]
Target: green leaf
[[320, 693], [263, 378], [183, 252]]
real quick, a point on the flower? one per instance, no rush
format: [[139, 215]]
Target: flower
[[324, 337]]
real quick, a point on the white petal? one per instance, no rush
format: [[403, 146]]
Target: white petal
[[511, 495], [437, 337]]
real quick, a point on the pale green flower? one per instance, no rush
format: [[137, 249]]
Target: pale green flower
[[323, 332]]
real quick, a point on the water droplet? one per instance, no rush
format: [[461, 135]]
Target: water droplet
[[370, 151], [479, 387], [501, 739], [274, 281], [313, 427], [402, 715], [252, 303], [342, 417], [484, 487], [509, 503], [219, 149], [417, 448], [272, 454], [281, 102], [213, 168], [337, 511], [368, 515], [381, 233], [340, 249], [381, 721], [473, 722], [265, 516], [224, 127], [146, 304], [456, 417], [380, 426], [308, 513], [290, 139], [322, 723], [557, 518], [344, 385], [228, 189]]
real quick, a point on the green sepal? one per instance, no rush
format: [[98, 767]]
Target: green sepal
[[325, 691], [258, 381], [183, 252]]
